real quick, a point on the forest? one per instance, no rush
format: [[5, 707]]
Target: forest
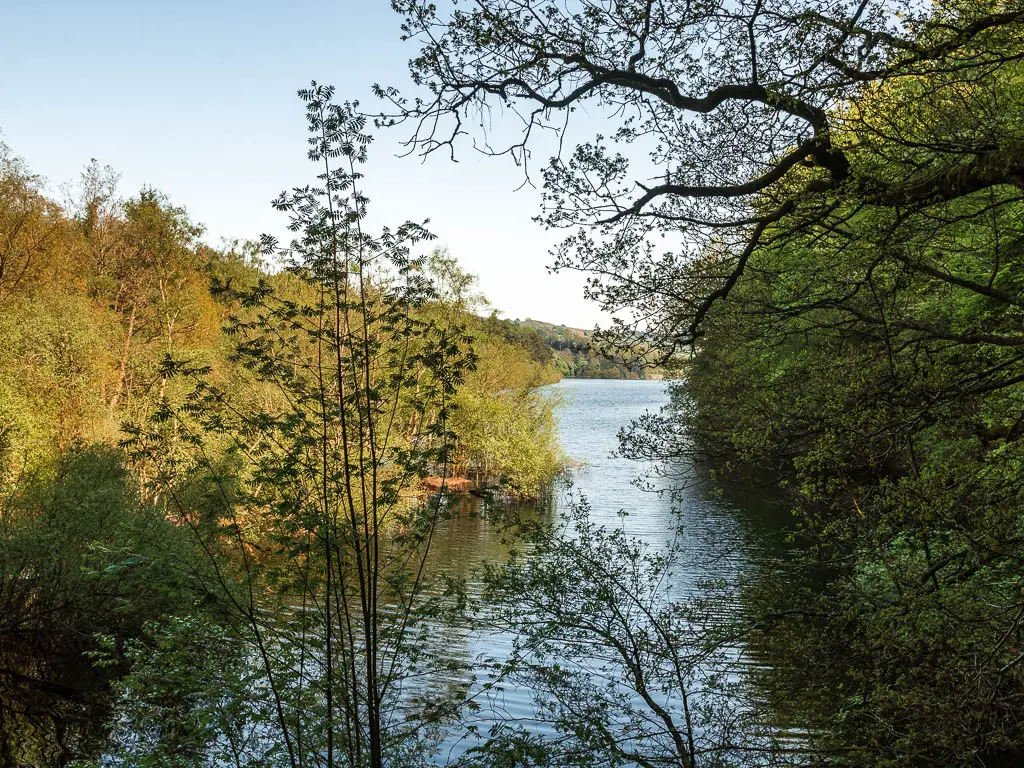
[[229, 476], [116, 317], [574, 352]]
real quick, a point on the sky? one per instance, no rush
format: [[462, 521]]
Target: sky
[[197, 99]]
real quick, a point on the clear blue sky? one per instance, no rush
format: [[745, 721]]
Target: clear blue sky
[[198, 100]]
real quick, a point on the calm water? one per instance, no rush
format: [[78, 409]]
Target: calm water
[[726, 532]]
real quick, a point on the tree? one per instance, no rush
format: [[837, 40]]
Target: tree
[[146, 274], [737, 116], [506, 427], [53, 364], [81, 555], [841, 192], [310, 510], [31, 228], [624, 669]]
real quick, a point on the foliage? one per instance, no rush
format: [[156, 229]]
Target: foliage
[[506, 427], [822, 203], [360, 364], [32, 226], [51, 376], [99, 296], [80, 554]]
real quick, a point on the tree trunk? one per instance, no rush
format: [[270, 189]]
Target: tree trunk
[[126, 350]]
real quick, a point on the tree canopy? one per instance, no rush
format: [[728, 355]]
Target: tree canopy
[[735, 123], [817, 208]]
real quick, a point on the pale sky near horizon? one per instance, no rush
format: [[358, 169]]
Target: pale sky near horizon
[[197, 99]]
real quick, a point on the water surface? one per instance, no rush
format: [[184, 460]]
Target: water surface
[[721, 532]]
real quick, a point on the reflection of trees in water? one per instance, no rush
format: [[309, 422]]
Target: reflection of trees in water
[[478, 533], [52, 708]]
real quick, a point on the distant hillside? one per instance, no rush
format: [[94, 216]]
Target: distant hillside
[[569, 349]]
